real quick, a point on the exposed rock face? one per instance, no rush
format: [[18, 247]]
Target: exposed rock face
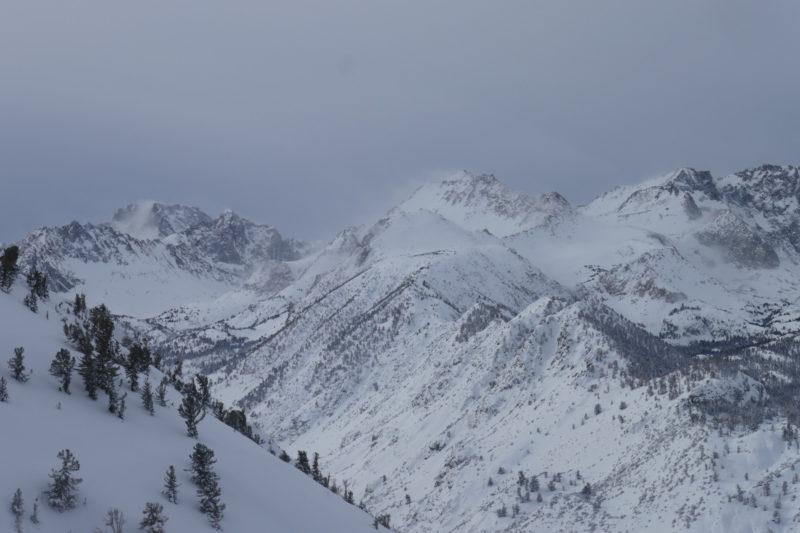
[[151, 220], [738, 242]]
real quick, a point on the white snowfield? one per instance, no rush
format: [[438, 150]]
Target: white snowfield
[[123, 462], [475, 332]]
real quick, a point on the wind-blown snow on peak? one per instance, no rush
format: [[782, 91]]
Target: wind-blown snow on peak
[[151, 220], [483, 202]]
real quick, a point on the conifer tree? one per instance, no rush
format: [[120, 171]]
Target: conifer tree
[[61, 368], [30, 301], [191, 409], [17, 509], [302, 462], [115, 520], [35, 513], [203, 389], [86, 369], [207, 482], [161, 392], [17, 365], [154, 519], [8, 267], [120, 407], [3, 390], [102, 331], [171, 485], [79, 307], [147, 398], [315, 471], [62, 492], [138, 361]]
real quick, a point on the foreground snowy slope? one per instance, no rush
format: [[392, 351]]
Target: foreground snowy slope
[[123, 462]]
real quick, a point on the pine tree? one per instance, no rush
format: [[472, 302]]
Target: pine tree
[[115, 520], [203, 389], [17, 509], [191, 409], [207, 482], [35, 513], [79, 307], [8, 267], [138, 361], [218, 410], [154, 519], [61, 368], [315, 471], [3, 390], [302, 462], [120, 407], [161, 392], [17, 365], [147, 398], [86, 369], [31, 302], [101, 326], [63, 489], [171, 485]]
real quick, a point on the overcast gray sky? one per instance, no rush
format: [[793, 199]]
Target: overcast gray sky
[[314, 115]]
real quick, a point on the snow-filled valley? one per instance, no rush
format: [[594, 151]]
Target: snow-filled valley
[[477, 359]]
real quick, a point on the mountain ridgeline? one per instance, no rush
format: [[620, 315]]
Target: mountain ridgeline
[[480, 359]]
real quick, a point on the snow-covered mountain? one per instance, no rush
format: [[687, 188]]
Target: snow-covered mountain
[[636, 356], [156, 256]]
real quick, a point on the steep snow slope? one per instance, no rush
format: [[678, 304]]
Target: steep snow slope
[[123, 462]]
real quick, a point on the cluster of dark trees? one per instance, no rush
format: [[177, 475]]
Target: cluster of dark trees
[[8, 267], [101, 360], [37, 289]]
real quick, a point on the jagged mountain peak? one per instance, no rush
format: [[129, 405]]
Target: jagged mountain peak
[[764, 187], [152, 220], [479, 202], [691, 180]]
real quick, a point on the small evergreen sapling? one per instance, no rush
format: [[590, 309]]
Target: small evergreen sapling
[[161, 392], [17, 365], [30, 301], [147, 398], [3, 389], [154, 519], [35, 513], [17, 509], [61, 368], [115, 520], [171, 485], [120, 407], [62, 492]]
